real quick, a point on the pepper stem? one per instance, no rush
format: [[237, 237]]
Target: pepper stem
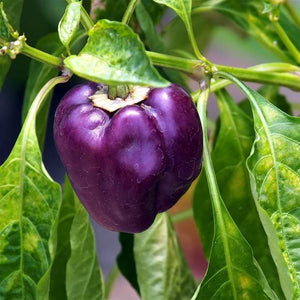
[[118, 91]]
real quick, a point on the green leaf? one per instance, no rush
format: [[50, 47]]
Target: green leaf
[[275, 173], [125, 259], [162, 271], [39, 74], [83, 275], [29, 205], [69, 23], [181, 7], [4, 68], [232, 147], [114, 54]]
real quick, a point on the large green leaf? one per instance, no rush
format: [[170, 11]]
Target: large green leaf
[[114, 54], [83, 275], [233, 272], [274, 166], [29, 205], [232, 147], [39, 74], [4, 25], [162, 271], [69, 23]]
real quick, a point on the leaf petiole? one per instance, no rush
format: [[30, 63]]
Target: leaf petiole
[[129, 11]]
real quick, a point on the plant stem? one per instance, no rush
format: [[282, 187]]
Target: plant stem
[[286, 40], [42, 56], [190, 66], [182, 216], [110, 280], [129, 11], [291, 10], [254, 75]]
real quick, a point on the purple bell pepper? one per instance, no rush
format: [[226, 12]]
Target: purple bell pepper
[[129, 165]]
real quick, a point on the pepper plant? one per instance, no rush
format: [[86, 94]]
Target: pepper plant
[[247, 197]]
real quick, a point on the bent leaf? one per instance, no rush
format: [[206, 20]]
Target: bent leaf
[[69, 23], [29, 205], [233, 144], [162, 271], [274, 167], [114, 54], [233, 272]]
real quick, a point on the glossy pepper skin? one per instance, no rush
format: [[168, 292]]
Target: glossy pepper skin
[[129, 165]]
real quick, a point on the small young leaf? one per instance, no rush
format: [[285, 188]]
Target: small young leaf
[[181, 7], [29, 205], [114, 54], [69, 23], [162, 271], [39, 74], [232, 147], [83, 275]]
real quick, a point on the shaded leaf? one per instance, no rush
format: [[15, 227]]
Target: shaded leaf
[[125, 259], [232, 147], [114, 54], [275, 174], [162, 271], [83, 275], [39, 74], [69, 23], [29, 204], [63, 248]]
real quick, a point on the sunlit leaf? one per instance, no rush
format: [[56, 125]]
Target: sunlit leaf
[[162, 271], [114, 54], [69, 23], [274, 166], [29, 205]]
